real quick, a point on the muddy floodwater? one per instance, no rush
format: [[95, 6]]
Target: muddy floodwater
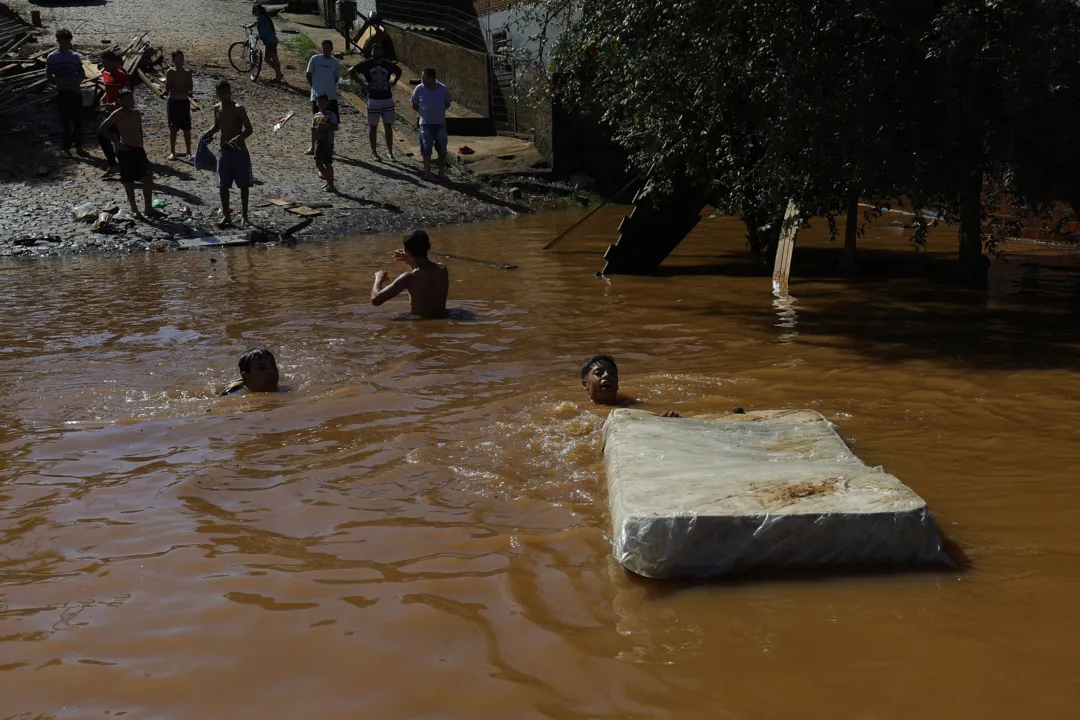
[[418, 528]]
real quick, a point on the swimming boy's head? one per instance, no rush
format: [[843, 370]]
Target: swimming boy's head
[[417, 244], [259, 370], [600, 377]]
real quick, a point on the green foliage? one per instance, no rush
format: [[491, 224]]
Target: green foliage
[[752, 102], [302, 45]]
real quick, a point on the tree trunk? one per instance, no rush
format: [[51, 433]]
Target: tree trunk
[[973, 265], [851, 234]]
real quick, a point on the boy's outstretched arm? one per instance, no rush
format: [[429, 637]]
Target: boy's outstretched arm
[[381, 292]]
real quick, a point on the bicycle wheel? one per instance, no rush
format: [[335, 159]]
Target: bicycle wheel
[[239, 57], [256, 64]]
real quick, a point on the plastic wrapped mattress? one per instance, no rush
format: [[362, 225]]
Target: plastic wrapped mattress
[[761, 491]]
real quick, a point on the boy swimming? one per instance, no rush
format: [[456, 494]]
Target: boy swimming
[[600, 378], [428, 282], [258, 373]]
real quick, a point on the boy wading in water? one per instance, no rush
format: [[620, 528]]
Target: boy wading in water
[[600, 378], [324, 125], [233, 160], [258, 373], [124, 126], [428, 283], [179, 84]]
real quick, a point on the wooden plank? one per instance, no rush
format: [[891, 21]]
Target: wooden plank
[[148, 82], [786, 248], [304, 211], [213, 241], [280, 201]]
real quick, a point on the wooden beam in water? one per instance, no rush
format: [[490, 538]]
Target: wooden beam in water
[[786, 247]]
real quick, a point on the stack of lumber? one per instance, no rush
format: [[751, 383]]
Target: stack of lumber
[[23, 83]]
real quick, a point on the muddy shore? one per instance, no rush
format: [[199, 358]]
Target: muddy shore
[[42, 185]]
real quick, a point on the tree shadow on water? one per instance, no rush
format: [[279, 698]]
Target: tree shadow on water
[[908, 306]]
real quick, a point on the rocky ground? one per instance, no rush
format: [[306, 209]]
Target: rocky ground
[[42, 186]]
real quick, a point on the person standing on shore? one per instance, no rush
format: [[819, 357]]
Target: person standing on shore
[[268, 34], [431, 99], [379, 76], [179, 84], [64, 68], [233, 159], [124, 126], [323, 73], [115, 79], [324, 124]]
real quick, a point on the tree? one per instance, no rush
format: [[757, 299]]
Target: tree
[[754, 102]]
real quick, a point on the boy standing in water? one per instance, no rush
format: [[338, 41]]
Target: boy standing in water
[[324, 125], [258, 373], [428, 283], [124, 127], [179, 84], [234, 161], [600, 378]]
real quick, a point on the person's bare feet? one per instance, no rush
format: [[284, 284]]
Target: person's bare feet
[[225, 222], [309, 151], [153, 213], [244, 219], [376, 156], [170, 156], [329, 188]]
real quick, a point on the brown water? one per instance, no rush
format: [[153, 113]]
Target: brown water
[[418, 529]]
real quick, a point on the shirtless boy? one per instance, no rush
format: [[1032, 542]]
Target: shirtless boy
[[600, 378], [124, 127], [179, 84], [428, 282], [258, 373], [233, 160]]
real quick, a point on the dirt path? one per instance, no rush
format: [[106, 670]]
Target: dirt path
[[36, 209]]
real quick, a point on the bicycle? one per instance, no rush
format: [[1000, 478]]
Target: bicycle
[[245, 56]]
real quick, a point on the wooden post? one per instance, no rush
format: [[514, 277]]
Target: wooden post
[[788, 232]]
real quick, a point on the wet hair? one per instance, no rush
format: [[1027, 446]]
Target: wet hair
[[258, 9], [597, 360], [63, 34], [224, 85], [251, 356], [322, 96], [417, 243], [112, 56], [427, 70]]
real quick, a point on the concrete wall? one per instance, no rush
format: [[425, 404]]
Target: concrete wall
[[465, 71]]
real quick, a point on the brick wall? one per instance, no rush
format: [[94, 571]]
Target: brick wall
[[486, 7], [465, 71]]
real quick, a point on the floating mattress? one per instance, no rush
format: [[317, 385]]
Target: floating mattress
[[769, 490]]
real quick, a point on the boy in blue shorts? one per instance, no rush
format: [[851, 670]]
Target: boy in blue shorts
[[233, 159]]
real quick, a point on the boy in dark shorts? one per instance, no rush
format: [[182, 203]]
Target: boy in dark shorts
[[124, 128], [258, 373], [115, 79], [233, 159], [179, 84], [600, 378], [325, 124]]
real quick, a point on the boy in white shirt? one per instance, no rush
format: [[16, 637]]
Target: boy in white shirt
[[323, 73], [432, 99]]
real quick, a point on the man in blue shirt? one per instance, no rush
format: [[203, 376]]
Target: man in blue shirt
[[432, 99], [64, 69]]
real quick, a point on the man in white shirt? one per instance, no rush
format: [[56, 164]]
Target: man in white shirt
[[432, 99], [323, 73]]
